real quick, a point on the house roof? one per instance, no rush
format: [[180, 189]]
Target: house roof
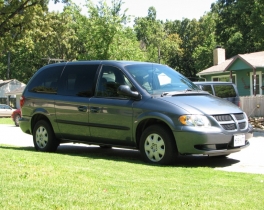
[[17, 91], [252, 59], [4, 82], [11, 87]]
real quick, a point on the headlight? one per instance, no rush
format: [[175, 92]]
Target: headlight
[[195, 120]]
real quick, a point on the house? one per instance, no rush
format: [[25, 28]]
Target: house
[[244, 70], [10, 91]]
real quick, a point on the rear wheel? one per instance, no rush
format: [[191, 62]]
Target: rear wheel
[[17, 118], [44, 138], [157, 145]]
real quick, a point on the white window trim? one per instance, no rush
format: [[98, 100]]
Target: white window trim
[[234, 75], [260, 82]]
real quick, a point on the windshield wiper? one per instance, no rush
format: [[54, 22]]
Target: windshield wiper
[[184, 92]]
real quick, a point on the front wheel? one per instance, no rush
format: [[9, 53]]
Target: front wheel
[[157, 145], [44, 138]]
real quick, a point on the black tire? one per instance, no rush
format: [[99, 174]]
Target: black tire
[[105, 147], [219, 156], [16, 119], [44, 138], [157, 145]]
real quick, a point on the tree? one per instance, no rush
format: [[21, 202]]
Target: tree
[[203, 52], [50, 36], [239, 26], [99, 29], [16, 17], [126, 47], [151, 33]]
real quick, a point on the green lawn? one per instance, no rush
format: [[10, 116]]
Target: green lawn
[[93, 178], [6, 120]]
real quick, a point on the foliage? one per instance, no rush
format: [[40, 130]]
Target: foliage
[[239, 26], [153, 37], [202, 53], [34, 37], [125, 46], [100, 28], [188, 32], [16, 18]]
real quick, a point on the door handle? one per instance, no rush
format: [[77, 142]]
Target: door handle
[[95, 109], [82, 108]]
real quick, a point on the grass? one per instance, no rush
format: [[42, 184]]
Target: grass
[[93, 178], [6, 120]]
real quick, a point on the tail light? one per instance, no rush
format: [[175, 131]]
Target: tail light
[[22, 101]]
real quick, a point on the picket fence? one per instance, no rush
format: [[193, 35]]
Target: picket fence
[[252, 105]]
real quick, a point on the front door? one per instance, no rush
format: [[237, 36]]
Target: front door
[[110, 114]]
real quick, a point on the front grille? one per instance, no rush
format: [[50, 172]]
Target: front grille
[[229, 127], [232, 122], [242, 125], [239, 116], [225, 117]]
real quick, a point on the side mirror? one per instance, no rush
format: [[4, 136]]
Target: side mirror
[[125, 90]]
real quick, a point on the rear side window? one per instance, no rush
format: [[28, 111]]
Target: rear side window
[[207, 88], [78, 80], [224, 91], [47, 80]]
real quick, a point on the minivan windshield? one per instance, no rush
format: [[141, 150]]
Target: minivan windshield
[[159, 79]]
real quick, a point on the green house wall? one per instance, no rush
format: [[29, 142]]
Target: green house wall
[[242, 71], [239, 65]]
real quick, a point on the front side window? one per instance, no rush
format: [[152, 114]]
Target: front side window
[[109, 80], [78, 80]]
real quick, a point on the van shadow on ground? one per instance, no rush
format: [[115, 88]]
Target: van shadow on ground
[[133, 156]]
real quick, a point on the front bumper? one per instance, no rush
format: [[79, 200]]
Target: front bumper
[[212, 143]]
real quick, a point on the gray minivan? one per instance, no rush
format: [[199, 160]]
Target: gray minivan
[[138, 105]]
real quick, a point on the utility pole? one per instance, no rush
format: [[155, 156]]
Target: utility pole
[[8, 75], [8, 66]]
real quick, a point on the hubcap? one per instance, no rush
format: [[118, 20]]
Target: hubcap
[[41, 137], [154, 147]]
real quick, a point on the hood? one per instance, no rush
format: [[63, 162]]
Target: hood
[[202, 104]]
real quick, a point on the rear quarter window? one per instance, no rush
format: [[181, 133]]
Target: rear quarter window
[[46, 81], [224, 91]]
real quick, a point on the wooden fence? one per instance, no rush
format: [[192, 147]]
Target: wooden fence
[[253, 105]]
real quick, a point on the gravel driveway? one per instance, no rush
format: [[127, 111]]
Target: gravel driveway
[[249, 160]]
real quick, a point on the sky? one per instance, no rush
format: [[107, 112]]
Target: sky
[[166, 9]]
